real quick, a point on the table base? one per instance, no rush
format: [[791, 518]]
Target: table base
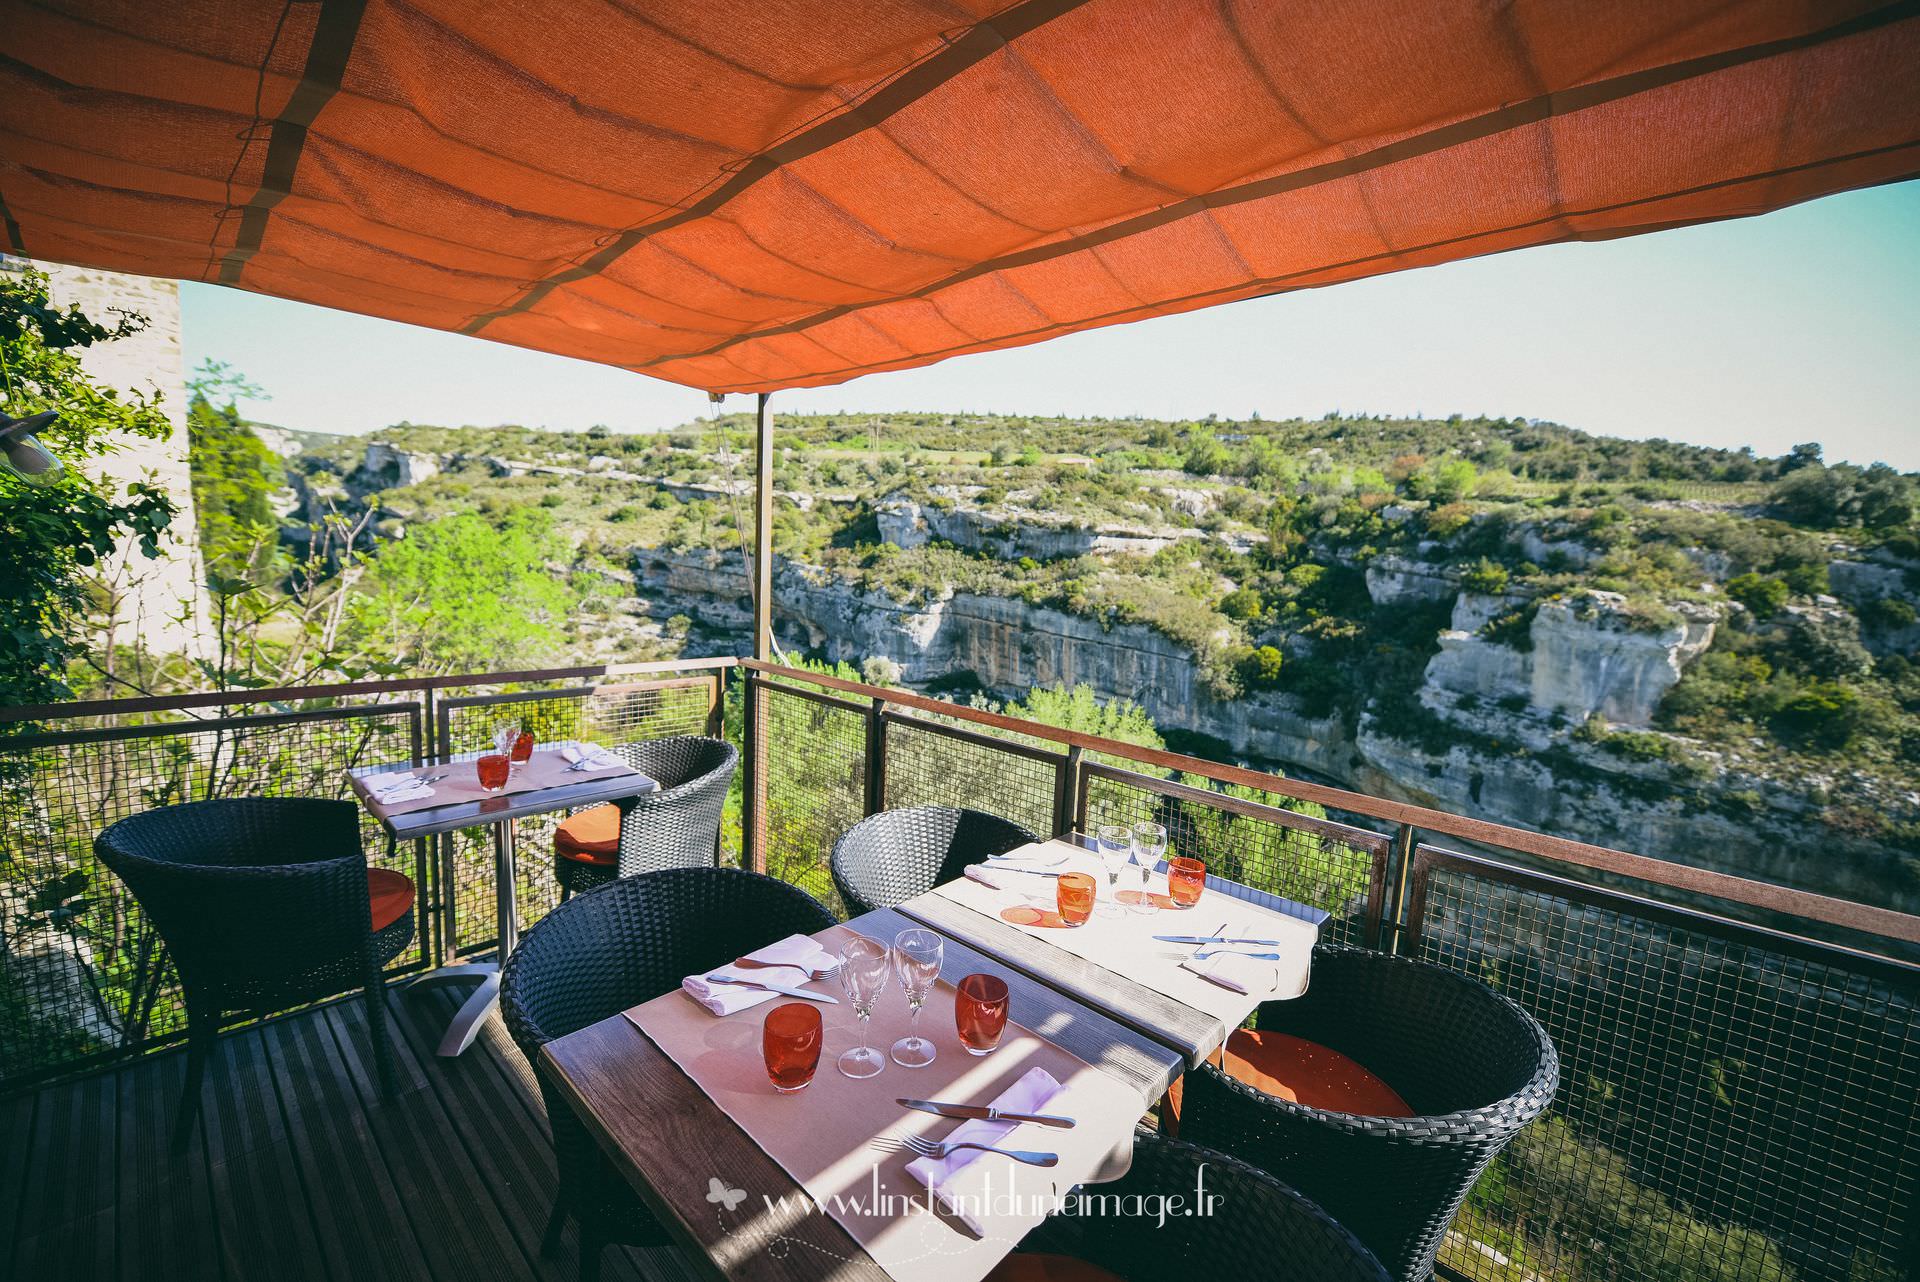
[[474, 1011]]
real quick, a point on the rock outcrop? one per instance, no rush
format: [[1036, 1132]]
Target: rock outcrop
[[1539, 776], [1012, 534], [1399, 580], [1588, 655]]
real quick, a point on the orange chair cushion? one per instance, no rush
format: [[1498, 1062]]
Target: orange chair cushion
[[392, 896], [1304, 1072], [590, 837], [1023, 1267]]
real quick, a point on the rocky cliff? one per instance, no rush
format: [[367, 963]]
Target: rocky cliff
[[1523, 768]]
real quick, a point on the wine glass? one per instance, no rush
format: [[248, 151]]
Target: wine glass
[[916, 961], [1149, 844], [863, 974], [1115, 844]]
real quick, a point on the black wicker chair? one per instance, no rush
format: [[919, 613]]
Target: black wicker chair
[[1472, 1066], [602, 952], [888, 858], [675, 827], [263, 903], [1253, 1226]]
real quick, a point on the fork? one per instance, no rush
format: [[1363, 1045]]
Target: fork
[[824, 972], [1228, 952], [937, 1149]]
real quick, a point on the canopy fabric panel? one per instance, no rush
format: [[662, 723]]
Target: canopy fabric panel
[[742, 195]]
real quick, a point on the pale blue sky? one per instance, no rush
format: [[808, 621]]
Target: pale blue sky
[[1799, 325]]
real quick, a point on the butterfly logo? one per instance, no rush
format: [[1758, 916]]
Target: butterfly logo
[[719, 1194]]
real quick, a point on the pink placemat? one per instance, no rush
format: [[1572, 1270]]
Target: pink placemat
[[544, 769], [823, 1136], [1125, 943]]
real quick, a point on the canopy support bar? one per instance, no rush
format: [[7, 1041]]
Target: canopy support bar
[[762, 568]]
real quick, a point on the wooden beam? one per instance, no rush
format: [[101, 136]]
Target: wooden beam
[[763, 535]]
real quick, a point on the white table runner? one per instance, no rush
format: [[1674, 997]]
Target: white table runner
[[822, 1135], [1125, 944]]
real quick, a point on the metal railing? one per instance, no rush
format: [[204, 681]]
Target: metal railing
[[1741, 1100], [84, 980]]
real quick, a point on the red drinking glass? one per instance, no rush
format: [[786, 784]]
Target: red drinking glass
[[492, 769], [1075, 894], [1186, 878], [790, 1041], [980, 1012], [522, 747]]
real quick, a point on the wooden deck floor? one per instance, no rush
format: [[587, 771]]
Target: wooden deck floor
[[300, 1172]]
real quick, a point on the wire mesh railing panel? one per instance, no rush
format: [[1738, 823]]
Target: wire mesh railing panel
[[82, 974], [814, 758], [631, 713], [1733, 1104], [1248, 838], [927, 766]]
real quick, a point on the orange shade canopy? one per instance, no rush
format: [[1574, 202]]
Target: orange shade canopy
[[742, 195]]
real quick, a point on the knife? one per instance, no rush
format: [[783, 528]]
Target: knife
[[782, 989], [1214, 939], [980, 1112]]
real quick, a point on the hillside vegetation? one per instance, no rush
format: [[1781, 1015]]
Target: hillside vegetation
[[1250, 542]]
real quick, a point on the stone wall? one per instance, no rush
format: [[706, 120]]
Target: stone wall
[[163, 601]]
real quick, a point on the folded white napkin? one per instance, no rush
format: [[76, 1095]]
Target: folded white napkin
[[1234, 971], [789, 963], [979, 873], [595, 757], [947, 1177], [400, 787]]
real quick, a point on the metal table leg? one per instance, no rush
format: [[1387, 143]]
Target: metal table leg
[[473, 1013]]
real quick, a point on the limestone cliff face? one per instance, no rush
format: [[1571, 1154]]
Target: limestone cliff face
[[1008, 645], [1589, 654], [1011, 535], [1543, 780]]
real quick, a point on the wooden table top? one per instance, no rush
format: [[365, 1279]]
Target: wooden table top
[[507, 805], [669, 1140]]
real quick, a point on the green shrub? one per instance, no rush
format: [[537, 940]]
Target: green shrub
[[1763, 596], [1485, 576], [1262, 666], [1889, 614], [1825, 716], [1242, 604]]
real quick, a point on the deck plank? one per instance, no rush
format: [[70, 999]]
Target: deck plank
[[16, 1136], [166, 1221], [82, 1248], [429, 1163], [75, 1127], [363, 1225], [267, 1231], [299, 1171]]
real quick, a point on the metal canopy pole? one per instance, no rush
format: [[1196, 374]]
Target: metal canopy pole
[[753, 818], [763, 536]]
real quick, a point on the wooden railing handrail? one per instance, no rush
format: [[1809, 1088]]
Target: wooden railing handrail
[[1845, 913], [391, 685]]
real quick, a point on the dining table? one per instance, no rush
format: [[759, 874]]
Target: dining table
[[460, 805], [1135, 979], [736, 1211]]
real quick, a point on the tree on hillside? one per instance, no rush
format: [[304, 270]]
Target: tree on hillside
[[462, 595], [54, 536], [1874, 498], [234, 473]]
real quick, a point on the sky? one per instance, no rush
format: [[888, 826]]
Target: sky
[[1800, 325]]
